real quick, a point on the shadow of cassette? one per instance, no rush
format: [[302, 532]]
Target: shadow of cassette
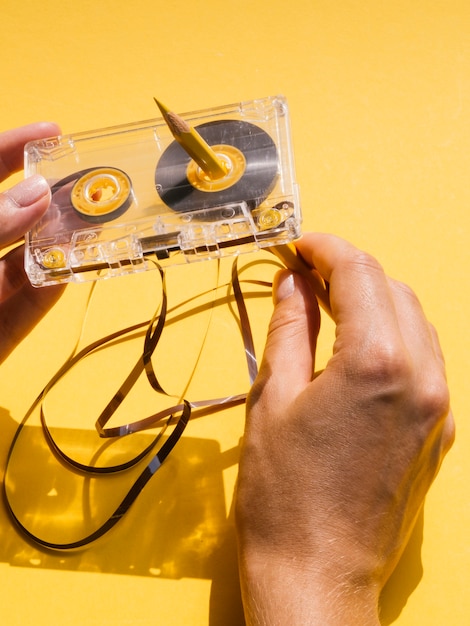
[[178, 527], [175, 529]]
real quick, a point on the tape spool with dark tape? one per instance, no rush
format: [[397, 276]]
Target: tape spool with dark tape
[[96, 195], [253, 168]]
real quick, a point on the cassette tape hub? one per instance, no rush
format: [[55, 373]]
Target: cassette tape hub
[[126, 196]]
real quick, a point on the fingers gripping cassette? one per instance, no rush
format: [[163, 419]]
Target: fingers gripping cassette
[[125, 196]]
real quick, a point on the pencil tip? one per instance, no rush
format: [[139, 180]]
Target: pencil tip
[[164, 110]]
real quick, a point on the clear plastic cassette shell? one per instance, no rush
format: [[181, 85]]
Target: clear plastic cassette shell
[[123, 198]]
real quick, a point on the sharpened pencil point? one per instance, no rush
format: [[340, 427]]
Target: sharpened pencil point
[[192, 142], [163, 109]]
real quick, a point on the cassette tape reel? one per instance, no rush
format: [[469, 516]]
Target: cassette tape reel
[[125, 195]]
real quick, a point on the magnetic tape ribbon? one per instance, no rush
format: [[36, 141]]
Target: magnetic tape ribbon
[[144, 364]]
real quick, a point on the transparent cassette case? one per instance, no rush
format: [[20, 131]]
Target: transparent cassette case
[[127, 196]]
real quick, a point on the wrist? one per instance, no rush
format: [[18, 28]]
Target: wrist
[[278, 592]]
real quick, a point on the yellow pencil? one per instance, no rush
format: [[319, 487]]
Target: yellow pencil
[[192, 142]]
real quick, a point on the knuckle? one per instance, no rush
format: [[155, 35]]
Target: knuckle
[[285, 326], [433, 401], [403, 288], [383, 366], [394, 376], [448, 435], [363, 261]]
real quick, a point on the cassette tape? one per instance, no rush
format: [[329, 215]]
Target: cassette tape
[[128, 197]]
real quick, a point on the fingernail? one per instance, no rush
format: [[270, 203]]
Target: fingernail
[[283, 286], [29, 191]]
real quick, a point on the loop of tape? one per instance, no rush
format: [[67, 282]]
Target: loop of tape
[[173, 419]]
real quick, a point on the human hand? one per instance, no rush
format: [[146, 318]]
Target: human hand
[[21, 305], [334, 467]]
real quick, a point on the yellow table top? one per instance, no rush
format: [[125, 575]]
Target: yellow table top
[[379, 94]]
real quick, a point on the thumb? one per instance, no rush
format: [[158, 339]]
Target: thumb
[[21, 207], [289, 357]]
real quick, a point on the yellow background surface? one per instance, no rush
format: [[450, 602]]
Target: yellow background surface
[[379, 93]]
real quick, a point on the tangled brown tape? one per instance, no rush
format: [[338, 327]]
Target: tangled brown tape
[[171, 421]]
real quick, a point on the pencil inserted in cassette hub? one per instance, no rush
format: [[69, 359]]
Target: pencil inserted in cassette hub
[[125, 195]]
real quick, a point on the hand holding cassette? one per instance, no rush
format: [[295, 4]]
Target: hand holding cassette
[[166, 190], [21, 306]]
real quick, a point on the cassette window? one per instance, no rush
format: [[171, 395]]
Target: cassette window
[[126, 195]]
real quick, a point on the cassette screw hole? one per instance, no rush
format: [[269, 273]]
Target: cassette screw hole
[[54, 258], [269, 218], [92, 252]]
